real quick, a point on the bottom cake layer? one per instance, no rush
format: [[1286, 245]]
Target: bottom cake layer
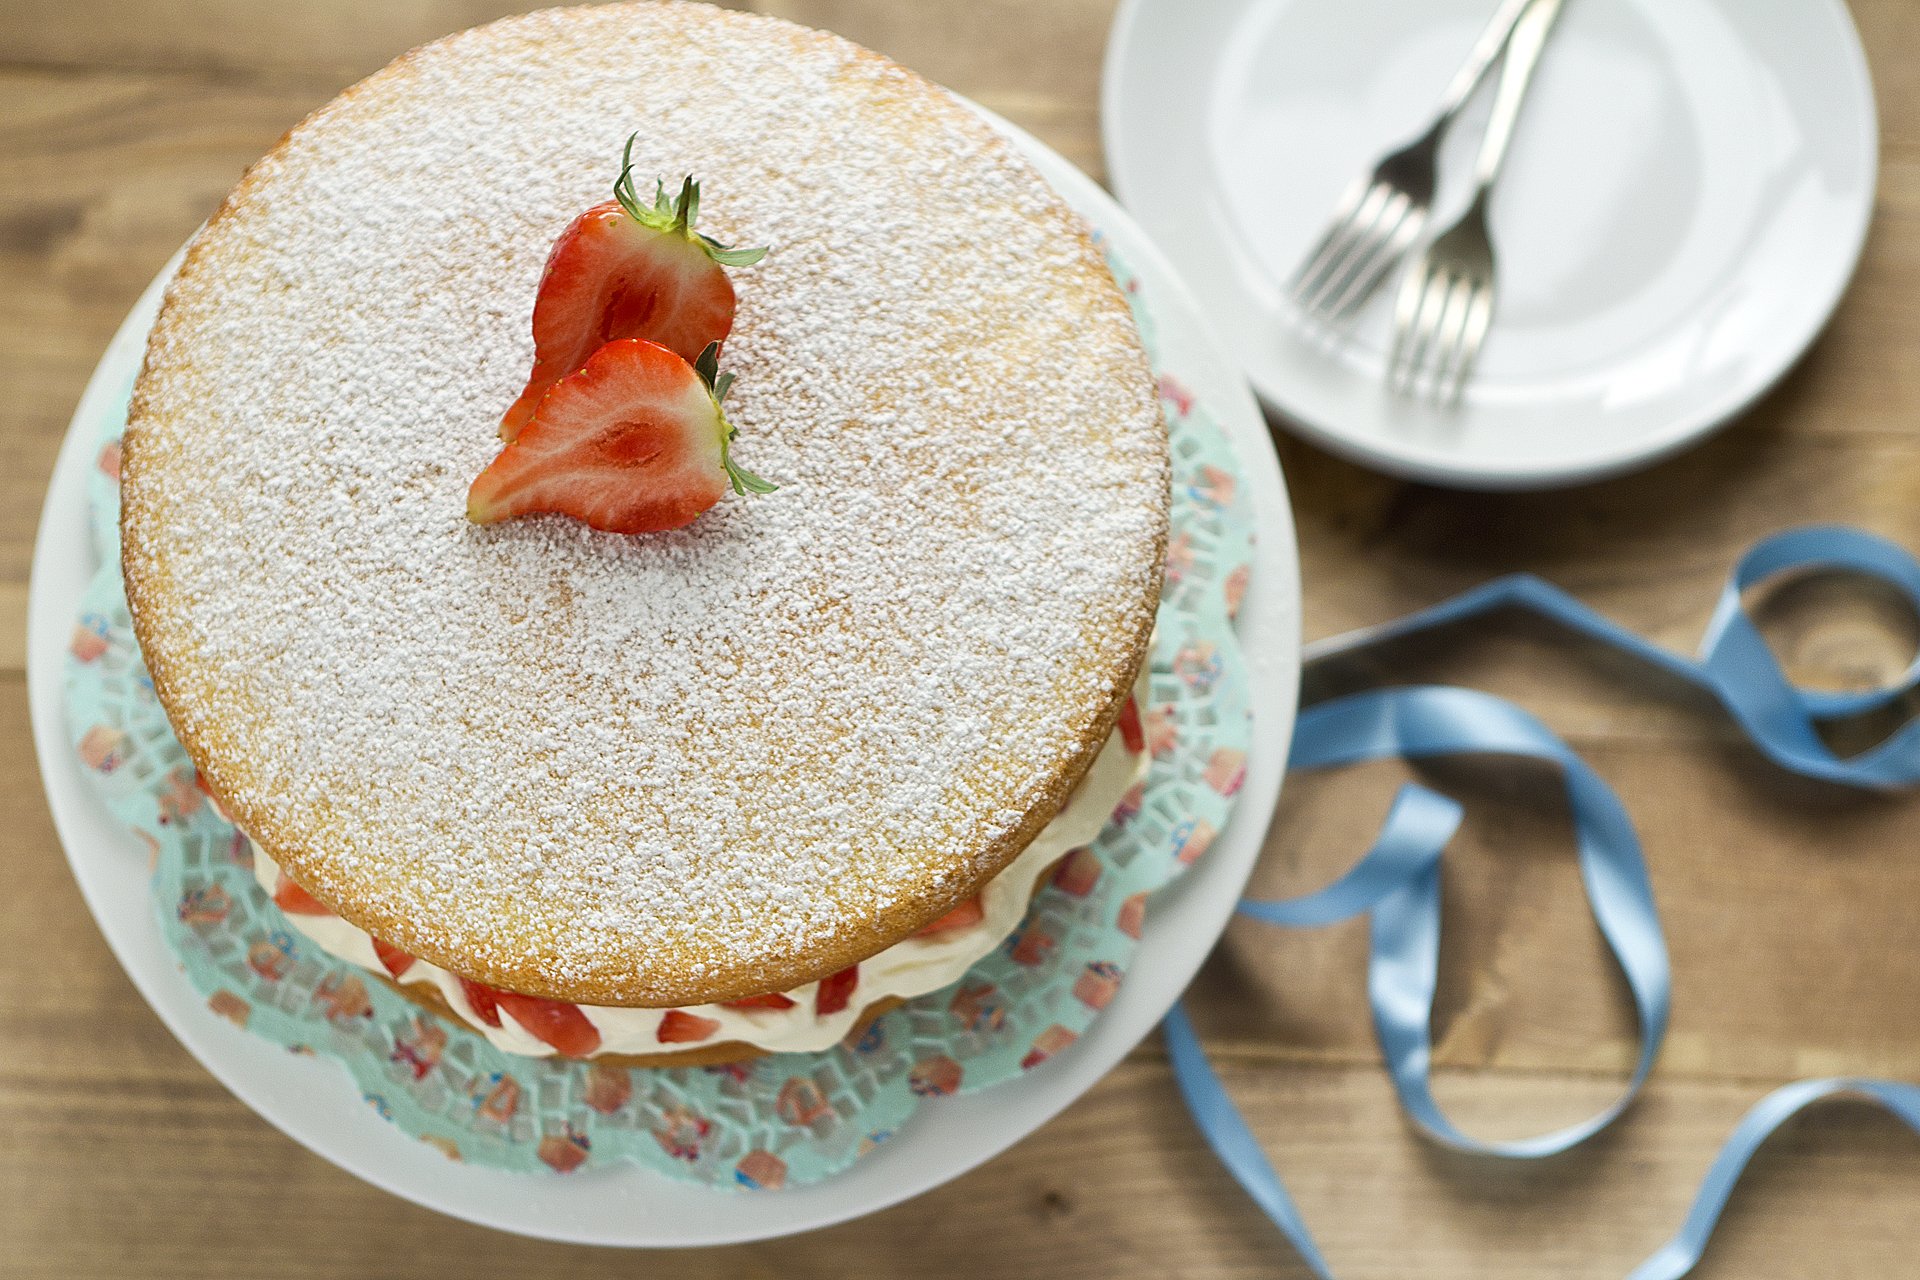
[[809, 1018]]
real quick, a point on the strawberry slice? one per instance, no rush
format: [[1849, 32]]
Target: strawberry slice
[[772, 1001], [626, 270], [1132, 735], [635, 442], [392, 959], [966, 914], [836, 991], [555, 1022], [680, 1027], [483, 999], [294, 900]]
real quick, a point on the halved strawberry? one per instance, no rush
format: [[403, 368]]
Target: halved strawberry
[[294, 900], [772, 1001], [966, 914], [554, 1022], [392, 959], [836, 991], [635, 442], [624, 270], [484, 1000], [680, 1027]]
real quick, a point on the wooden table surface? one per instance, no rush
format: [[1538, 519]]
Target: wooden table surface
[[1793, 909]]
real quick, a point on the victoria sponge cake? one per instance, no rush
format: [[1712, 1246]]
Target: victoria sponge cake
[[649, 773]]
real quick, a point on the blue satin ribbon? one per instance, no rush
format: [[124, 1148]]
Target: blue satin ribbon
[[1397, 883], [1682, 1253], [1735, 665]]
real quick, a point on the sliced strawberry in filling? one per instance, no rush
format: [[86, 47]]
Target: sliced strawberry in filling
[[294, 900], [482, 998], [392, 959], [836, 991], [964, 916], [1132, 735], [771, 1001], [680, 1027], [554, 1022]]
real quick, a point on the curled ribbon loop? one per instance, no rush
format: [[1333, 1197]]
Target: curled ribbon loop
[[1735, 665], [1398, 882]]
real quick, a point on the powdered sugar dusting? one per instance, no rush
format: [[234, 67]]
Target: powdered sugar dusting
[[645, 770]]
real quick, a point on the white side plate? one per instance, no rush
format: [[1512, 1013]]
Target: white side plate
[[1687, 197]]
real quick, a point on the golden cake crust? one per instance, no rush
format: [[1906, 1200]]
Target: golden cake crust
[[607, 796]]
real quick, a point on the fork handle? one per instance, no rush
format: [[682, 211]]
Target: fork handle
[[1486, 51], [1523, 55]]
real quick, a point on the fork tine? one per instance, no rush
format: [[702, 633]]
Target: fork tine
[[1449, 329], [1406, 321], [1337, 223], [1363, 253], [1406, 313], [1348, 236], [1338, 235], [1367, 279], [1412, 340], [1473, 335]]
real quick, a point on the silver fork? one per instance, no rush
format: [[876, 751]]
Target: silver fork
[[1446, 301], [1383, 211]]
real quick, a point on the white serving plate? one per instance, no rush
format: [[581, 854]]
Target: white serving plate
[[1686, 200], [315, 1102]]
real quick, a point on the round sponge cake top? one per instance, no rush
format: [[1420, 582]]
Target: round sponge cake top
[[671, 768]]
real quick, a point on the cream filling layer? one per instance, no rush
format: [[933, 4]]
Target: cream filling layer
[[909, 968]]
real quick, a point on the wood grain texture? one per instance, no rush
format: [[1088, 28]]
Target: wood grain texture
[[1793, 909]]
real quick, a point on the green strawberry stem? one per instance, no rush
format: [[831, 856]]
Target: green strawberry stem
[[676, 216], [744, 481], [718, 384]]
